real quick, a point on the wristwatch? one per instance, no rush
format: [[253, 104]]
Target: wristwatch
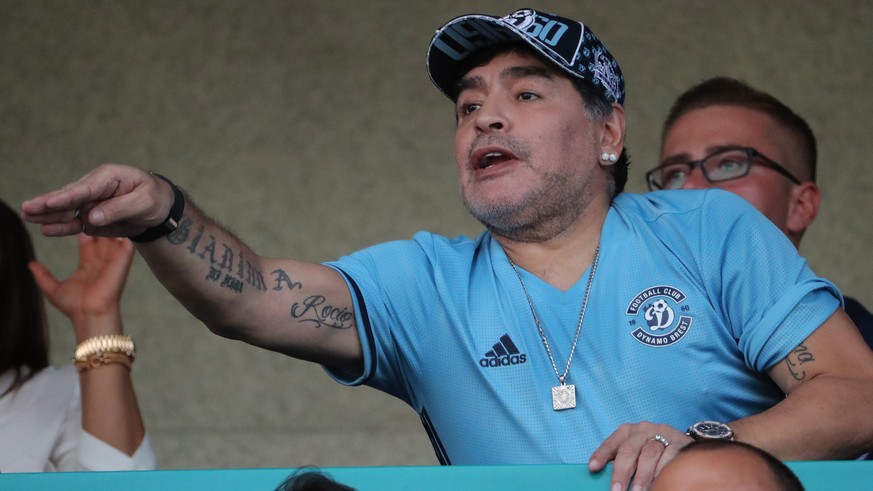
[[710, 430], [171, 223]]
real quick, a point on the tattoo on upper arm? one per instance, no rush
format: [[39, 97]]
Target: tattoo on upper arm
[[796, 359], [313, 310], [282, 278]]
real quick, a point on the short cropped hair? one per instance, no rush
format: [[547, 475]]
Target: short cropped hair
[[726, 91], [311, 479], [782, 475]]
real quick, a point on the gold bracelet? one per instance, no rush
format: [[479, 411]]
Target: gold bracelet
[[102, 359], [113, 343]]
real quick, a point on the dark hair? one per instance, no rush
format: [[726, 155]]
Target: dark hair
[[782, 475], [23, 328], [726, 91], [311, 479], [596, 106]]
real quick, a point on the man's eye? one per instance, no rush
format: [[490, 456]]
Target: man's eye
[[730, 165], [469, 108], [673, 178], [527, 96]]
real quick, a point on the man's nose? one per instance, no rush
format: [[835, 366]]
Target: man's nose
[[491, 117]]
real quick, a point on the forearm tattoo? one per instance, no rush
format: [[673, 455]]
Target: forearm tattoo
[[229, 269], [796, 359], [226, 266]]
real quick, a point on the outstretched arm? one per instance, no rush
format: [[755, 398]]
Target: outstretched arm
[[91, 298], [297, 308]]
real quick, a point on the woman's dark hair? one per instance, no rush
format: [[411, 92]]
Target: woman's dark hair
[[23, 328]]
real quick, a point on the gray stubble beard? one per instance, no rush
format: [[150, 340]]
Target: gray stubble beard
[[538, 217]]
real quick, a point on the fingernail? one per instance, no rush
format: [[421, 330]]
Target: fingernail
[[96, 217], [616, 486]]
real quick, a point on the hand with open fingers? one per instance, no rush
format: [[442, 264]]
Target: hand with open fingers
[[91, 296], [110, 201], [638, 451]]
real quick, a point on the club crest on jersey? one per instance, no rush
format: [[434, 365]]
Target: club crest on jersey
[[658, 318]]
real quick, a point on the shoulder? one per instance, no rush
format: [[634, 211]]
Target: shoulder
[[660, 204], [425, 246], [698, 224], [56, 381], [425, 255], [56, 376], [51, 391], [711, 215], [460, 243]]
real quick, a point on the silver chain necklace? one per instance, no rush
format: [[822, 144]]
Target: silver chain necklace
[[564, 395]]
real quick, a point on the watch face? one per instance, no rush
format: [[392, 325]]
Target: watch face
[[712, 430]]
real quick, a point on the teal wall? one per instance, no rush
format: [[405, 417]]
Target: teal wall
[[815, 476]]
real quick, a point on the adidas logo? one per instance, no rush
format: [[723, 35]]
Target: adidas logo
[[503, 354]]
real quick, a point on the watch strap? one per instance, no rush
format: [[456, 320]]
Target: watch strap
[[172, 221]]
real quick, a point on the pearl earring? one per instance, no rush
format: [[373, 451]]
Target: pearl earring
[[609, 157]]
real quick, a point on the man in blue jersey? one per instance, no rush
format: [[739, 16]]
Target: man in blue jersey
[[724, 133], [583, 325]]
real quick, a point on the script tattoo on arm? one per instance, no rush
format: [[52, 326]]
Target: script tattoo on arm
[[796, 359], [230, 269], [227, 267], [314, 310]]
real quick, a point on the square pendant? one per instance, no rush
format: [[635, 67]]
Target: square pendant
[[564, 397]]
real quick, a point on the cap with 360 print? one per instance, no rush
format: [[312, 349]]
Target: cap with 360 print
[[710, 430]]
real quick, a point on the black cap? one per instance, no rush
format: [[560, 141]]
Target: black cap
[[567, 43]]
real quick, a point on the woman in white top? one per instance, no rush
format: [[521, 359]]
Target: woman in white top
[[52, 419]]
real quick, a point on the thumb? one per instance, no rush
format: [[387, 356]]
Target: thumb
[[44, 279]]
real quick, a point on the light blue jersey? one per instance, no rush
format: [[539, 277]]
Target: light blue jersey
[[695, 296]]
